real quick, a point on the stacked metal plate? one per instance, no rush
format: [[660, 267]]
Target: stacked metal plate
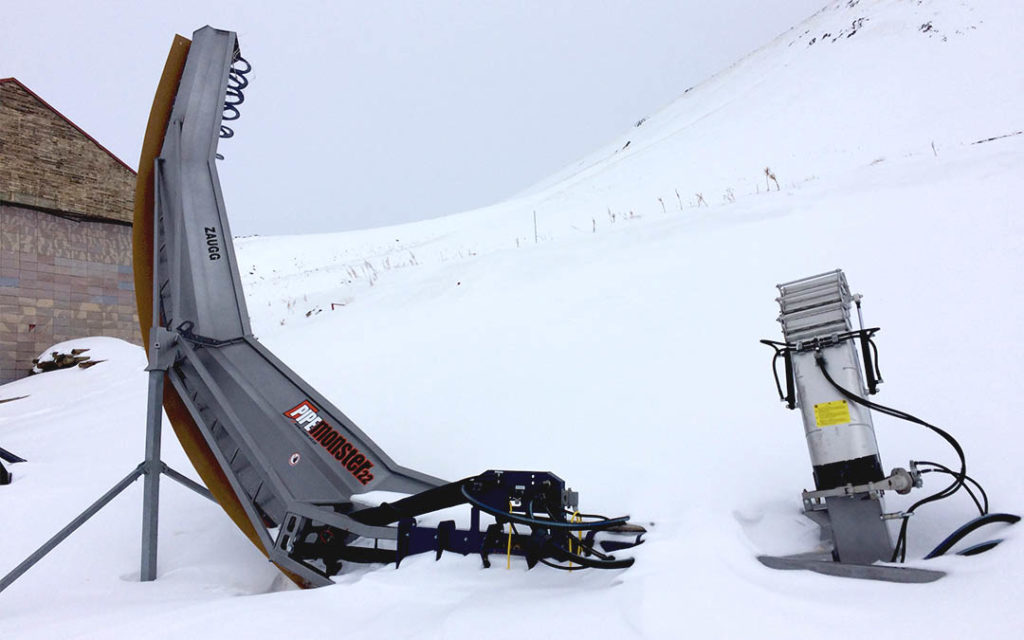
[[815, 307]]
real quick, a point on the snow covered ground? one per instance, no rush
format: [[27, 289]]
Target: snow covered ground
[[618, 348]]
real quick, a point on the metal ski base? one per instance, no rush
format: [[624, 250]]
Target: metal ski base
[[823, 563]]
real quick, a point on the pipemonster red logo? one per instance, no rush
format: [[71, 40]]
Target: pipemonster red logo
[[307, 417]]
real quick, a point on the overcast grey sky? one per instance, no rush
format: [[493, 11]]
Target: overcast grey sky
[[361, 114]]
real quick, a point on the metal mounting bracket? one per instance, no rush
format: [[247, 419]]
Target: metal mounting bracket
[[163, 349]]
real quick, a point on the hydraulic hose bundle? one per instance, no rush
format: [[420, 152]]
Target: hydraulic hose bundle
[[234, 94]]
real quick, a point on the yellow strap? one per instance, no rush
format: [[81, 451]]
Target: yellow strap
[[576, 518], [508, 559]]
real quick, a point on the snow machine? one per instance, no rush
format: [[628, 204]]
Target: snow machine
[[823, 379], [284, 463]]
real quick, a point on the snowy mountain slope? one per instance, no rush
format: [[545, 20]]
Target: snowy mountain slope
[[621, 355], [892, 80], [857, 83]]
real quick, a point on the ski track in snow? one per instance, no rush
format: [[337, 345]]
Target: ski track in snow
[[619, 351]]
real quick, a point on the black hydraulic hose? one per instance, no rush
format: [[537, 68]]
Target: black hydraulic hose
[[963, 531], [589, 549], [557, 551], [529, 507], [896, 413], [900, 550], [585, 515], [869, 368], [535, 522], [545, 561], [941, 468], [606, 561], [982, 510], [775, 374], [530, 514], [981, 547], [787, 357], [874, 350], [560, 567], [775, 367]]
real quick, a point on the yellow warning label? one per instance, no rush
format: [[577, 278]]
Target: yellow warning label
[[827, 414]]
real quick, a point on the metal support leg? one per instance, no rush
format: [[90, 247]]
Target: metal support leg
[[150, 468], [188, 483], [70, 528], [153, 466]]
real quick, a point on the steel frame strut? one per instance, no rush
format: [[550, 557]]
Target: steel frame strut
[[149, 469]]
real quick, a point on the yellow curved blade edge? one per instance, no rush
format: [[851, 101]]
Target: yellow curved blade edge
[[185, 428]]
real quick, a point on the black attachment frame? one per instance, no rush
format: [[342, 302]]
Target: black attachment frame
[[534, 499]]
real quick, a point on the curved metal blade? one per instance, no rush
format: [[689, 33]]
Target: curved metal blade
[[270, 448]]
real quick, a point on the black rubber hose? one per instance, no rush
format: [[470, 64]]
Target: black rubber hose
[[787, 357], [981, 547], [775, 368], [588, 548], [900, 550], [896, 413], [561, 553], [775, 374], [560, 567], [874, 349], [941, 468], [977, 503], [973, 525], [534, 522], [241, 70], [869, 368], [570, 512]]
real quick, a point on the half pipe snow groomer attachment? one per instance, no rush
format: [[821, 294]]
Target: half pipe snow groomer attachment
[[278, 456]]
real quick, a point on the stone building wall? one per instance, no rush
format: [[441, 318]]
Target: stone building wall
[[48, 162], [65, 234], [61, 279]]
